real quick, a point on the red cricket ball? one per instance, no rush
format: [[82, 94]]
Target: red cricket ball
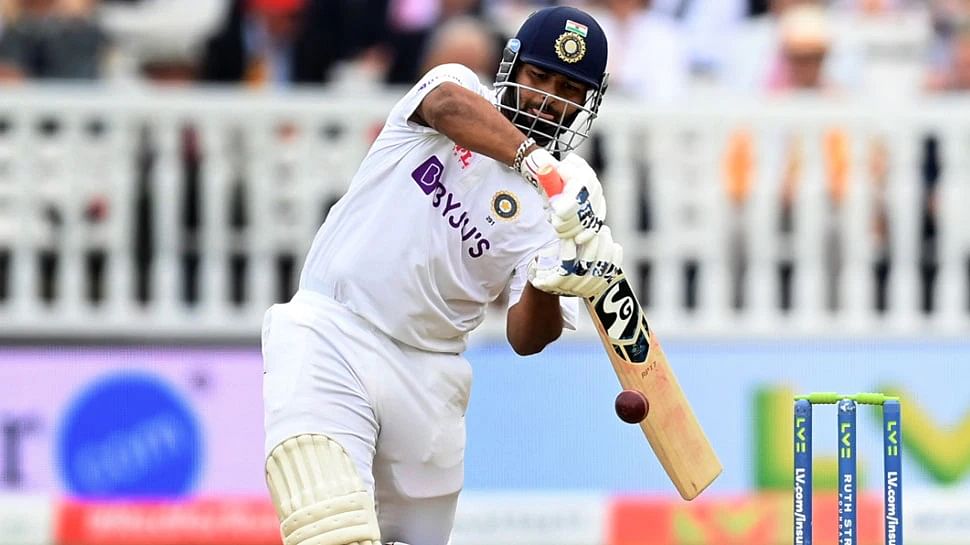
[[631, 406]]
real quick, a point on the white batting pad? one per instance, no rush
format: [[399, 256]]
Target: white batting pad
[[318, 494]]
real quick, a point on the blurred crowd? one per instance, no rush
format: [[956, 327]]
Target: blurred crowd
[[660, 49]]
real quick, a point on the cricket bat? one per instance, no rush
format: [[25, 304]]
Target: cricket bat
[[671, 427]]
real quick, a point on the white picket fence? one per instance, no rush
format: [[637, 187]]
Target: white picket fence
[[74, 171]]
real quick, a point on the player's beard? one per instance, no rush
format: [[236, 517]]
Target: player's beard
[[543, 131]]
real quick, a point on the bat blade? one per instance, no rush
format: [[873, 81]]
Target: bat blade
[[671, 427]]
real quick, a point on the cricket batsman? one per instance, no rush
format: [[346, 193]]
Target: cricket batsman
[[365, 385]]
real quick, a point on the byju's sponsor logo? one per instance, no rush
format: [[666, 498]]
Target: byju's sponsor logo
[[428, 177]]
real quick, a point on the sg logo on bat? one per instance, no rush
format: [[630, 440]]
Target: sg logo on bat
[[619, 311]]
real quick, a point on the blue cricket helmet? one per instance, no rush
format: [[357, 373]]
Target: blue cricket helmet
[[560, 39], [565, 40]]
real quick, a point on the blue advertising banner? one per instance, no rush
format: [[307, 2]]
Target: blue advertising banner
[[547, 421], [125, 421]]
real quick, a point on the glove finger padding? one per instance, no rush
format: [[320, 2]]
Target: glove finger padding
[[609, 256], [567, 225], [582, 271], [584, 282], [551, 266]]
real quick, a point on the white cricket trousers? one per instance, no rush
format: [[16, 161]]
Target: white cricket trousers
[[398, 411]]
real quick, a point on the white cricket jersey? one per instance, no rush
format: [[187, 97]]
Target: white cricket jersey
[[428, 232]]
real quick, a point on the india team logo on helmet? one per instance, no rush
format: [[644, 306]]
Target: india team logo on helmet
[[570, 45], [567, 41]]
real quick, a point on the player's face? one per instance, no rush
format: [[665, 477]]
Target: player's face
[[553, 83], [550, 112]]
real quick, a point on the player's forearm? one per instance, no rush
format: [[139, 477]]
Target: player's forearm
[[533, 322], [471, 122]]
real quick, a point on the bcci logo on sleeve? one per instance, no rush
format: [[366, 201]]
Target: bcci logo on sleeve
[[505, 206]]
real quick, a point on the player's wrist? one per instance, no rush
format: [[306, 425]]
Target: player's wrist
[[524, 149], [533, 162]]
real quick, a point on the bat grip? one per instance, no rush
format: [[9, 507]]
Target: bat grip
[[550, 181]]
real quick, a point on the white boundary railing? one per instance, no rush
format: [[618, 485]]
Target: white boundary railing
[[71, 192]]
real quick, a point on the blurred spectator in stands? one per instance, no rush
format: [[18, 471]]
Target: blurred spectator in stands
[[709, 24], [947, 17], [51, 39], [954, 75], [467, 41], [648, 50], [752, 47], [754, 57], [165, 64], [738, 167], [880, 225], [159, 39], [805, 39], [876, 7], [882, 45], [508, 14], [283, 42], [803, 48], [260, 45], [411, 24]]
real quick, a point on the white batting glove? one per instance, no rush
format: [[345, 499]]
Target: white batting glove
[[579, 211], [582, 271]]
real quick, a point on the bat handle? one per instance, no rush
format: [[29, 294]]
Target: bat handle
[[550, 181]]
